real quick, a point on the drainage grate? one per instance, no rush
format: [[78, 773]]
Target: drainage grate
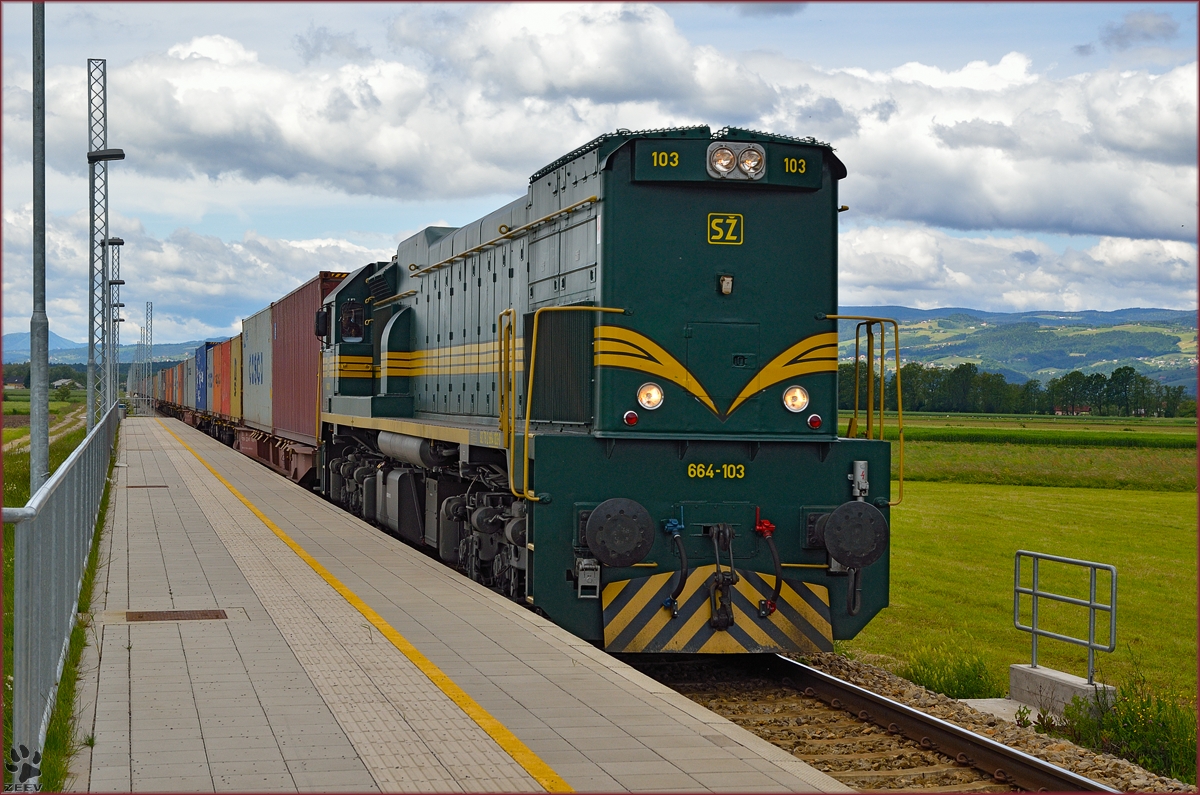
[[175, 615], [148, 487]]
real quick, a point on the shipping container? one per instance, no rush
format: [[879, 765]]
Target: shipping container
[[221, 377], [235, 377], [181, 383], [209, 372], [296, 359], [189, 383], [256, 369], [200, 399]]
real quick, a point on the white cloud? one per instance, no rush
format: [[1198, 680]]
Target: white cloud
[[927, 268], [475, 98], [200, 285]]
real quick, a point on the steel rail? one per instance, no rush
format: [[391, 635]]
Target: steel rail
[[1004, 764]]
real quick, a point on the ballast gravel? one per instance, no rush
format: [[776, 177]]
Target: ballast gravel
[[1104, 768]]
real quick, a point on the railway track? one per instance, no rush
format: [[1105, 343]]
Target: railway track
[[864, 740]]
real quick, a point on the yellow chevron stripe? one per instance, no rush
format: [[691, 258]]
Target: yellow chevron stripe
[[660, 632], [634, 606], [815, 354], [624, 348]]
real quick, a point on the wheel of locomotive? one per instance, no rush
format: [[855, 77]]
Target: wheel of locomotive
[[619, 532]]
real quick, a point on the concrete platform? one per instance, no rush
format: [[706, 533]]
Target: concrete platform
[[349, 661]]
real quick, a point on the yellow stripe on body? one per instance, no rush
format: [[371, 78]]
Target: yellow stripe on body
[[512, 745], [624, 348], [815, 354]]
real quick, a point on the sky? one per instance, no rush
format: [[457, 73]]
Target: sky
[[1005, 157]]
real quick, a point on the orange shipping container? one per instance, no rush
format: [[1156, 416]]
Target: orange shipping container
[[222, 378]]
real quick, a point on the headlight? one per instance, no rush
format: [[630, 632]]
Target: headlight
[[722, 160], [650, 396], [795, 399], [751, 162]]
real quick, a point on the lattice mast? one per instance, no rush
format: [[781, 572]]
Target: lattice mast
[[97, 387]]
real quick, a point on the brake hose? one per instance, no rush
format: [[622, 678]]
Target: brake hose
[[674, 527], [766, 529]]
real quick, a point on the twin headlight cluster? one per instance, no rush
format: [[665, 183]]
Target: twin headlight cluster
[[730, 160], [650, 397]]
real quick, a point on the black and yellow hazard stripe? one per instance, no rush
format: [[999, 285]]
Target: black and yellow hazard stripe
[[635, 619]]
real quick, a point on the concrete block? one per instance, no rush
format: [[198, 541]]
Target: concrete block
[[1050, 690]]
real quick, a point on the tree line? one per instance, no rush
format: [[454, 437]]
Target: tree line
[[967, 389]]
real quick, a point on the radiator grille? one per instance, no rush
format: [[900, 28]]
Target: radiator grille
[[562, 390]]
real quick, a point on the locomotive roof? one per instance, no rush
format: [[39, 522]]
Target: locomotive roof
[[610, 142]]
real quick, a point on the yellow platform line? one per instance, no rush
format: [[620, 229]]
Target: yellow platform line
[[519, 751]]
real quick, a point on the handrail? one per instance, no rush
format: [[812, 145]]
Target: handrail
[[506, 323], [35, 504], [869, 322], [1091, 604], [505, 234], [529, 495]]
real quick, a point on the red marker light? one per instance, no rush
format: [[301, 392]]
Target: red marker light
[[631, 418], [814, 421]]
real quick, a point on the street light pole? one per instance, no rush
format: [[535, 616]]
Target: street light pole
[[39, 325]]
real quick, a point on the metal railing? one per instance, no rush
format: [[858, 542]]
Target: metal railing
[[52, 539], [1091, 604]]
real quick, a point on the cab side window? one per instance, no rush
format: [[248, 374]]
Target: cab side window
[[353, 315]]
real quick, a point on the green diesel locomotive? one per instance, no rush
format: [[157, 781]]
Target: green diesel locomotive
[[615, 398]]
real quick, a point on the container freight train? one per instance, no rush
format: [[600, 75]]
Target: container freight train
[[613, 400]]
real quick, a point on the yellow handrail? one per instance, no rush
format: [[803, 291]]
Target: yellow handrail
[[869, 322], [505, 234], [529, 495], [508, 335]]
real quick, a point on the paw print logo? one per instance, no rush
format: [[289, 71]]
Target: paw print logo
[[24, 767]]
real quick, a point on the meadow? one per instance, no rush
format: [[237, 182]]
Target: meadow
[[969, 506]]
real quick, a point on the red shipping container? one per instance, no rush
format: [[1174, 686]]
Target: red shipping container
[[296, 359], [223, 378]]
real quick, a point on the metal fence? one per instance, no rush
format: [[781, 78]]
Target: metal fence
[[1036, 592], [53, 537]]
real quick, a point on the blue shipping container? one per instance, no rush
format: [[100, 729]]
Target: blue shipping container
[[202, 378]]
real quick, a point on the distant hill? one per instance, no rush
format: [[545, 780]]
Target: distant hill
[[17, 345], [64, 351], [1089, 317], [1159, 343]]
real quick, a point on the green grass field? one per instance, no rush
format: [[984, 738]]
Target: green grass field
[[952, 576], [1162, 469], [22, 406]]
